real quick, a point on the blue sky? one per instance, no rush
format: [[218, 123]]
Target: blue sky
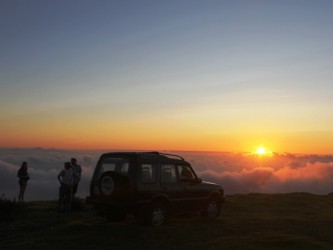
[[231, 68]]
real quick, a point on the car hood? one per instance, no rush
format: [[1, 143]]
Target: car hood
[[211, 185]]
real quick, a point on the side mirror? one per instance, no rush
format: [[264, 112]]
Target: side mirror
[[197, 180]]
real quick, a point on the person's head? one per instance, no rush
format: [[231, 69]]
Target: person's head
[[73, 161], [67, 165], [24, 165]]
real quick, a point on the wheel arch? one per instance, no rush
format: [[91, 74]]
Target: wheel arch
[[160, 199], [215, 195]]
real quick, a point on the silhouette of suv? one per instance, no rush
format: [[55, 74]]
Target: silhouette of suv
[[151, 186]]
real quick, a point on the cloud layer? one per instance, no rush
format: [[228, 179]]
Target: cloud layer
[[237, 173], [244, 173], [43, 167]]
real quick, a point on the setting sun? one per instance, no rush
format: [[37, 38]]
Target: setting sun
[[261, 151]]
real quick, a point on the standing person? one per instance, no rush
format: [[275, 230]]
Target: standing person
[[66, 178], [77, 169], [23, 176]]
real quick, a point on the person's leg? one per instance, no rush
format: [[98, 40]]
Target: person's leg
[[20, 194], [74, 190], [23, 190], [61, 196], [68, 199]]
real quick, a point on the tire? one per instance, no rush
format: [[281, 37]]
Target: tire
[[157, 215], [112, 184], [213, 208]]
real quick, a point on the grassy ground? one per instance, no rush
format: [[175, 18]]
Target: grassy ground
[[252, 221]]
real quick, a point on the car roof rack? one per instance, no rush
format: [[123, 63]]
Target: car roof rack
[[173, 155], [157, 153]]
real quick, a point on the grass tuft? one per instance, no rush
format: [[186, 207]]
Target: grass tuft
[[10, 209]]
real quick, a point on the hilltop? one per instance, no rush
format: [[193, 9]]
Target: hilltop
[[250, 221]]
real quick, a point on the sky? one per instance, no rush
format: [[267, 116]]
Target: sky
[[167, 75], [237, 173]]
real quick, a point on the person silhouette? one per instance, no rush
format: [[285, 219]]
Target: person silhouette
[[78, 170], [23, 176], [66, 179]]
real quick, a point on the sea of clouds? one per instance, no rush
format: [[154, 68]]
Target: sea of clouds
[[238, 173]]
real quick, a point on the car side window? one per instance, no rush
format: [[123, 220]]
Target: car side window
[[148, 173], [185, 173], [169, 174], [124, 168]]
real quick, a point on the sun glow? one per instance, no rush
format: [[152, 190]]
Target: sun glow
[[261, 151]]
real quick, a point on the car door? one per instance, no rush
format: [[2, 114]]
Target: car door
[[193, 194], [148, 184], [171, 186]]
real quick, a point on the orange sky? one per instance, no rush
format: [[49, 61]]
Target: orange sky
[[215, 76], [160, 138]]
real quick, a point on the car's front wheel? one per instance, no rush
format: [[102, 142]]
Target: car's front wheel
[[157, 215], [213, 208]]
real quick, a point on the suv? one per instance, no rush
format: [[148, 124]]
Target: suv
[[150, 185]]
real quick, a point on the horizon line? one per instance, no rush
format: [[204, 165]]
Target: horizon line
[[162, 150]]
